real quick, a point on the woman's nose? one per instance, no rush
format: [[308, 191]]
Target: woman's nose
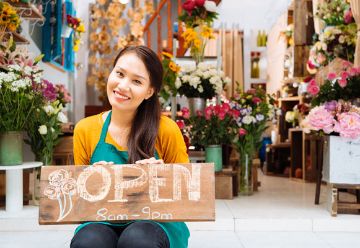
[[123, 84]]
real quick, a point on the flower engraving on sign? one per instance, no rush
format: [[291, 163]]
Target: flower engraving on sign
[[61, 187]]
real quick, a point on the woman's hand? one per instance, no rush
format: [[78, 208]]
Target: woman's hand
[[151, 160], [103, 163]]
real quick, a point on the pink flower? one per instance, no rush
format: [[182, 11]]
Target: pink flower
[[199, 113], [217, 109], [342, 82], [353, 71], [344, 74], [313, 88], [208, 112], [348, 125], [242, 132], [225, 107], [320, 119], [235, 113], [222, 115], [348, 16], [199, 3], [189, 5], [256, 100], [331, 76], [185, 113]]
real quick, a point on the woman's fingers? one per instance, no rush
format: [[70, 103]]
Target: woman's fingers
[[102, 162], [151, 160]]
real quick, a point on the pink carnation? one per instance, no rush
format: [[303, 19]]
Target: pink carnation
[[185, 113], [320, 119], [331, 76], [242, 132], [313, 88], [342, 82], [348, 125]]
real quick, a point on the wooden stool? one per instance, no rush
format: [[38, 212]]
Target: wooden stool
[[226, 184], [333, 198]]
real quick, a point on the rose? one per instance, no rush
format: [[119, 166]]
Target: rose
[[348, 125], [210, 6], [242, 131], [342, 82], [331, 76], [189, 5], [199, 3], [320, 119], [313, 88]]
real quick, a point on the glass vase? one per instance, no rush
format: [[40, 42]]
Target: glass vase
[[196, 104], [11, 148], [245, 179]]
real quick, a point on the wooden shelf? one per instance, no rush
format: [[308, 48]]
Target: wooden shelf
[[291, 98], [27, 11], [20, 40]]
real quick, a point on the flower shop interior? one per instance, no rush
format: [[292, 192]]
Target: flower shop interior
[[267, 91]]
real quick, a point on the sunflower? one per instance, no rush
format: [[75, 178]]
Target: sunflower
[[167, 55]]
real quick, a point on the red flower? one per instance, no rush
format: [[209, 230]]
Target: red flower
[[185, 113], [256, 100], [199, 3], [180, 123], [242, 132], [208, 112], [225, 107], [189, 5], [235, 113], [222, 115]]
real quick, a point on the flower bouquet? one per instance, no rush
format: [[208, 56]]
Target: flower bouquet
[[254, 111], [203, 81], [9, 19], [78, 26]]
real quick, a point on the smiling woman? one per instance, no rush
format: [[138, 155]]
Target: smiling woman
[[132, 132]]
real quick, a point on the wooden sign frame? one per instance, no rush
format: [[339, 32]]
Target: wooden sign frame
[[120, 193]]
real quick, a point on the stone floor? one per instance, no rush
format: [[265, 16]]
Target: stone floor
[[281, 214]]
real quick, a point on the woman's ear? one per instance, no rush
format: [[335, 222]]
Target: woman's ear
[[150, 93]]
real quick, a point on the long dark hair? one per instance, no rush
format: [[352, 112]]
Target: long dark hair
[[145, 126]]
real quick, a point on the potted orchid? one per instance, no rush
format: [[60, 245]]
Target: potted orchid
[[336, 114]]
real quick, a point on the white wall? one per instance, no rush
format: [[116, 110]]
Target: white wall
[[248, 15]]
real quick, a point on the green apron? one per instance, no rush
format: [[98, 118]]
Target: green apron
[[177, 232]]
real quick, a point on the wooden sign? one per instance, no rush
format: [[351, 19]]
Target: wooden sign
[[115, 193]]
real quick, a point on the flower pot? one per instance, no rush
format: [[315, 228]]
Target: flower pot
[[196, 104], [213, 154], [245, 180], [11, 148]]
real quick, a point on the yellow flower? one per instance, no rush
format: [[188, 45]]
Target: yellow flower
[[168, 55], [197, 43], [173, 66], [206, 32], [81, 28]]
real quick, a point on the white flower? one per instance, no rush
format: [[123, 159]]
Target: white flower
[[194, 81], [202, 66], [49, 109], [200, 89], [28, 70], [177, 83], [62, 117], [186, 78], [278, 112], [248, 119], [210, 6], [260, 117], [42, 130], [227, 80], [14, 68], [206, 75]]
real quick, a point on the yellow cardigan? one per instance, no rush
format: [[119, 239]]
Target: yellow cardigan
[[169, 144]]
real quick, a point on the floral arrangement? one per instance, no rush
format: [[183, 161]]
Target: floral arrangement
[[197, 12], [17, 97], [288, 35], [9, 19], [338, 37], [213, 127], [78, 26], [255, 111], [345, 86], [297, 114], [334, 104], [203, 81], [198, 16], [171, 69], [335, 12], [335, 116]]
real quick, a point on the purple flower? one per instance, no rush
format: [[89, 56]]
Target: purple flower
[[331, 106], [49, 91]]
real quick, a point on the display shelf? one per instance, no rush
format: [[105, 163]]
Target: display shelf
[[27, 11], [20, 40]]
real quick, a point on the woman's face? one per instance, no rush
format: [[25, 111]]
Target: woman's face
[[128, 83]]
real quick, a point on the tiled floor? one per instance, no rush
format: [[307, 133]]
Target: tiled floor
[[281, 214]]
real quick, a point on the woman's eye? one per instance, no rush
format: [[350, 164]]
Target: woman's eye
[[136, 81], [120, 74]]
